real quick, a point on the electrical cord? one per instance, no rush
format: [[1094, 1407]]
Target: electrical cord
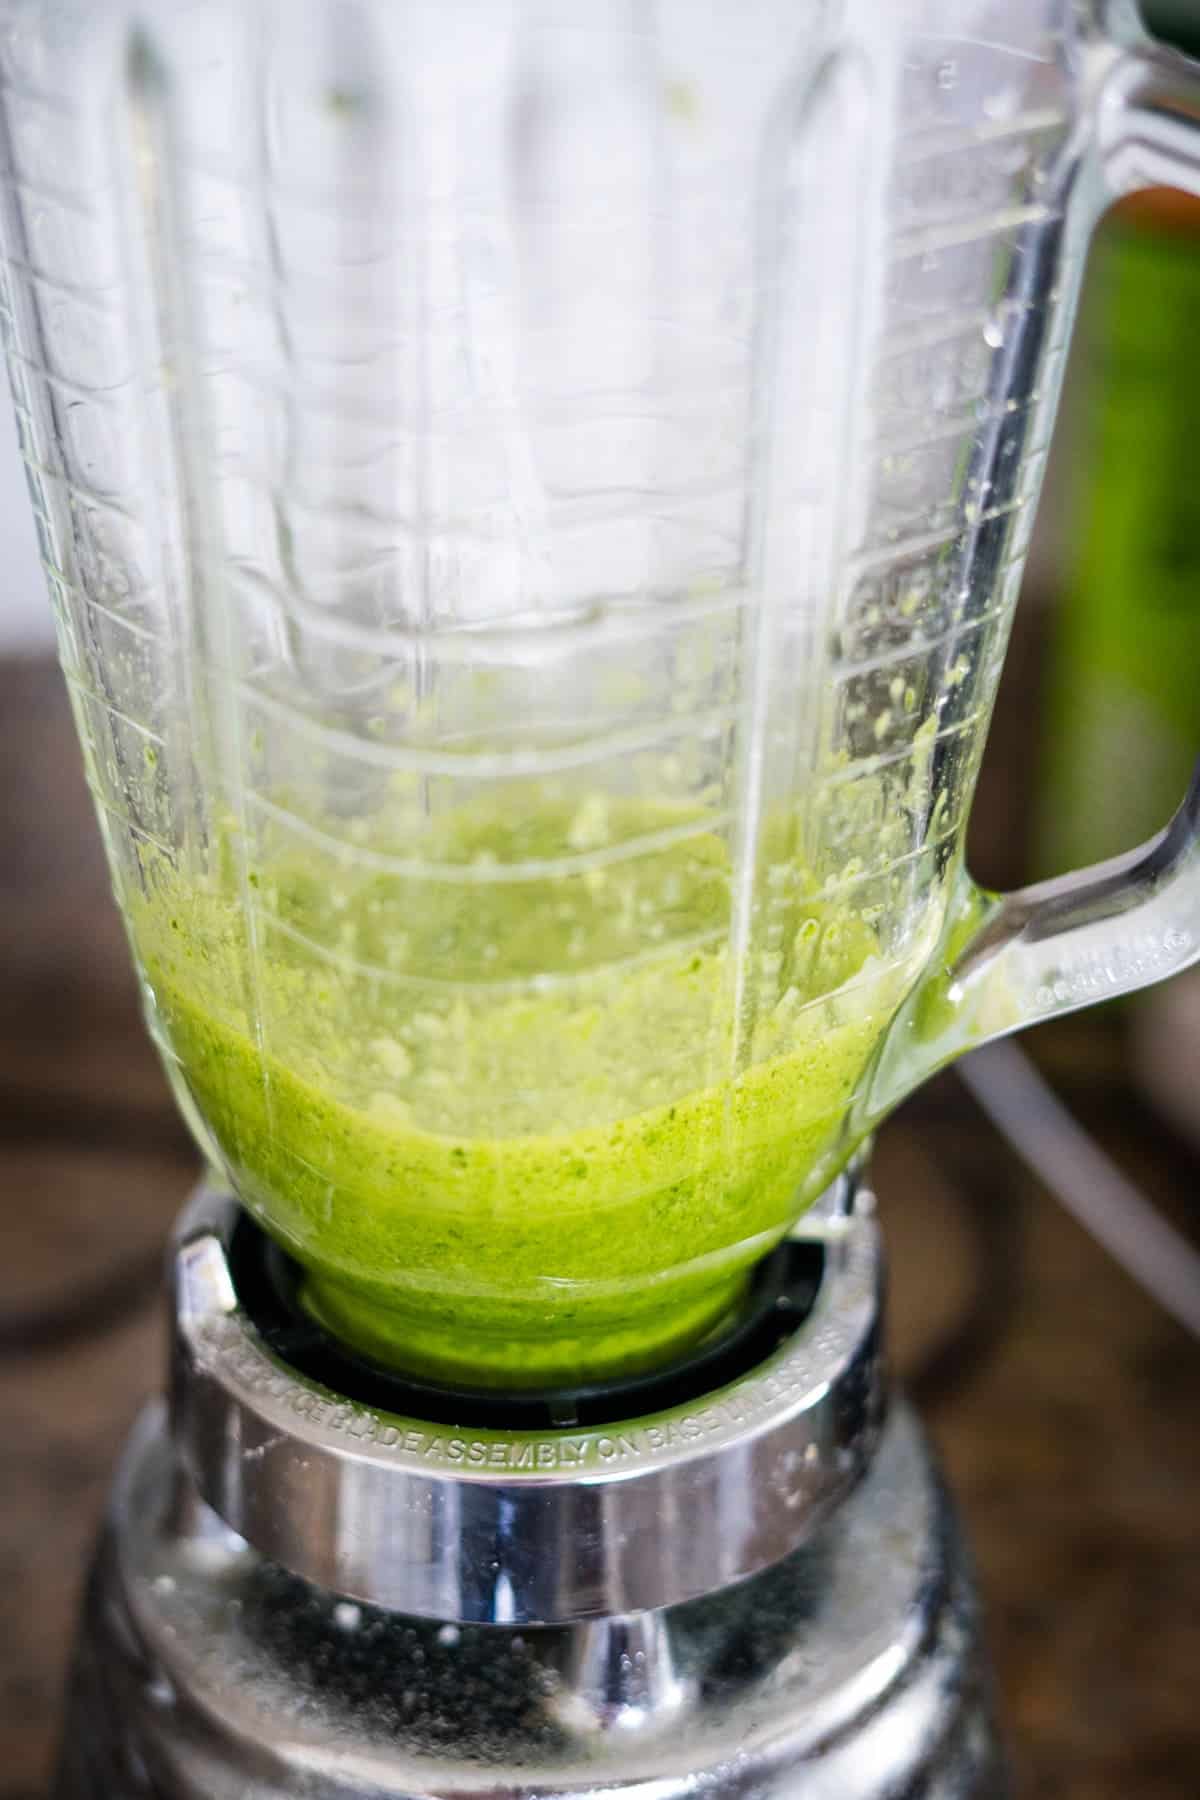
[[1008, 1088]]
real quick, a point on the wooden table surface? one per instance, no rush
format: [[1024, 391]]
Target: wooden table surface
[[1066, 1407]]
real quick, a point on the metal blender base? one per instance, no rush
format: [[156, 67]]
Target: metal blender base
[[850, 1671], [847, 1667]]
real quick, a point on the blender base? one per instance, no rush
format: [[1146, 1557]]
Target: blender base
[[850, 1670], [313, 1582]]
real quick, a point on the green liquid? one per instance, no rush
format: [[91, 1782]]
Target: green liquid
[[517, 1130]]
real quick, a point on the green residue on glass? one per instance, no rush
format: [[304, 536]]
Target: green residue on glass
[[516, 1116]]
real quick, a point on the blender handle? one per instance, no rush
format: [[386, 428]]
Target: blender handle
[[1010, 960]]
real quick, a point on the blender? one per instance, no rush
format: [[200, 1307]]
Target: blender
[[533, 497]]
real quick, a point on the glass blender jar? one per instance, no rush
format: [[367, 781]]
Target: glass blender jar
[[533, 504]]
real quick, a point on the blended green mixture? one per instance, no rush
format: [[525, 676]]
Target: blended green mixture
[[517, 1116]]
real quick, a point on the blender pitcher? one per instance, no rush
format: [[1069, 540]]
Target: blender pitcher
[[533, 498]]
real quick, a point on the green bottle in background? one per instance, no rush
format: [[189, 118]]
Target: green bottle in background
[[1122, 721]]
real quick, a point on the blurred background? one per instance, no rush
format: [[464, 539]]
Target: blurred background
[[1063, 1397]]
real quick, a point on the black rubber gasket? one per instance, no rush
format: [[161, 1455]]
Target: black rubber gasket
[[268, 1281]]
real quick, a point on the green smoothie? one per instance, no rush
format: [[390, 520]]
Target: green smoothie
[[521, 1120]]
